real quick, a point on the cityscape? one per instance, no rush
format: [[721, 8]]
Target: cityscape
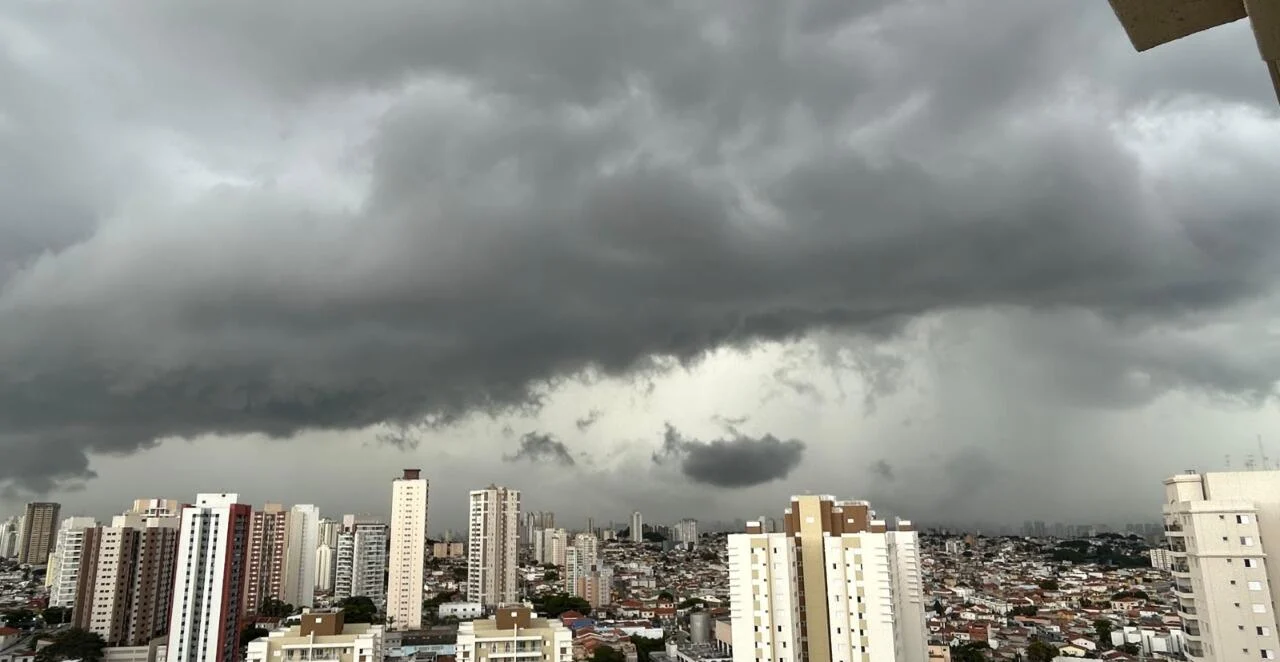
[[824, 578]]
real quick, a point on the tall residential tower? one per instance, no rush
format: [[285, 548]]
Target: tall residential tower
[[837, 586], [492, 546], [208, 597], [406, 563]]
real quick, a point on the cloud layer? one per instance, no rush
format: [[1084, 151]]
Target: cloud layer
[[733, 463], [432, 209]]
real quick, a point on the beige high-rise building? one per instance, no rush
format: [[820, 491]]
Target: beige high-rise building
[[838, 585], [513, 634], [64, 563], [39, 527], [493, 546], [406, 562], [303, 531], [265, 570], [126, 577], [636, 530], [1223, 529], [581, 559]]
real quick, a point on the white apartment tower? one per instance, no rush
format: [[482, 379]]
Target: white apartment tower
[[493, 546], [208, 600], [836, 586], [65, 561], [406, 563], [637, 527], [687, 531], [360, 560], [326, 567], [1222, 528], [300, 555]]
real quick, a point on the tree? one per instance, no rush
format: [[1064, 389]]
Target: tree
[[1039, 651], [359, 609], [56, 615], [666, 596], [550, 575], [607, 654], [19, 616], [73, 644], [275, 608], [1049, 585], [554, 604], [251, 632], [939, 608], [1131, 649], [691, 603], [973, 651], [646, 645], [1102, 628], [653, 536]]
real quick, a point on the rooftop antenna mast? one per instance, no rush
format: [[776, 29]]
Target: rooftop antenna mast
[[1248, 462], [1262, 453]]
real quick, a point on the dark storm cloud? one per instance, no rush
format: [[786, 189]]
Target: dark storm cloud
[[562, 187], [538, 447], [732, 463], [882, 469]]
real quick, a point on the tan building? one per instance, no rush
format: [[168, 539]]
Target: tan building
[[126, 579], [511, 635], [268, 540], [838, 585], [406, 562], [1151, 23], [448, 550], [321, 635], [1223, 529], [493, 546], [36, 537]]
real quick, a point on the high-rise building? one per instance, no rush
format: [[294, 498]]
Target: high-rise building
[[328, 533], [268, 543], [1223, 530], [326, 568], [406, 562], [492, 546], [300, 556], [838, 585], [320, 635], [550, 546], [126, 576], [64, 563], [687, 531], [9, 531], [637, 527], [208, 598], [360, 560], [581, 559], [513, 631], [39, 526]]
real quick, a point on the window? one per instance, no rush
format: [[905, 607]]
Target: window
[[1259, 608], [1263, 631], [1268, 654], [1255, 586], [1246, 541], [1242, 519], [1250, 563]]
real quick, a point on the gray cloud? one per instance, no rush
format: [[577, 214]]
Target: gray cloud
[[591, 418], [538, 447], [882, 469], [732, 463], [349, 220]]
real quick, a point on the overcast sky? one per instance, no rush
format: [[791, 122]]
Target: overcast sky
[[969, 259]]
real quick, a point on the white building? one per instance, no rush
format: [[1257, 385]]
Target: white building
[[1222, 527], [512, 634], [360, 562], [9, 537], [408, 556], [637, 527], [326, 567], [1161, 559], [64, 564], [320, 636], [860, 598], [550, 546], [687, 531], [581, 559], [205, 618], [493, 546], [463, 611], [300, 555]]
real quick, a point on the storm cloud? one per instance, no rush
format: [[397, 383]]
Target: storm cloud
[[428, 210], [538, 447], [737, 462]]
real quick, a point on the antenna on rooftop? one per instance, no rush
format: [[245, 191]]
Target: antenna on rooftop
[[1248, 461], [1262, 453]]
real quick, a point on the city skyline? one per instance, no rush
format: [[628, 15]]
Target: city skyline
[[686, 275]]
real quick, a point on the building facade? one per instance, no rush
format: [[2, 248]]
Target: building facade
[[36, 538], [68, 550], [326, 568], [320, 635], [300, 555], [513, 634], [687, 531], [360, 562], [836, 586], [406, 562], [209, 583], [637, 527], [493, 546], [1221, 528], [268, 544]]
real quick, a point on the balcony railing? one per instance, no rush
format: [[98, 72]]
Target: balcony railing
[[1187, 608], [1182, 587], [1175, 526]]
